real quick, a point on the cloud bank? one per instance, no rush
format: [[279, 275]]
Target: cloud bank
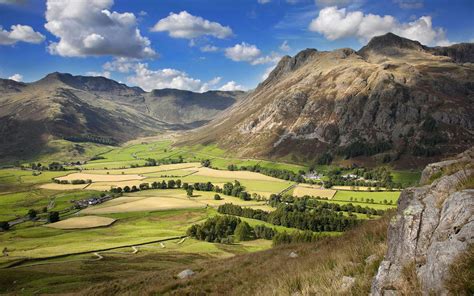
[[336, 23], [90, 28]]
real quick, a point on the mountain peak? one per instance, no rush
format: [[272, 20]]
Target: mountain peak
[[387, 43], [90, 83]]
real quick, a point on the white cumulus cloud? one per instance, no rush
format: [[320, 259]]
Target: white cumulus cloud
[[336, 23], [231, 86], [90, 28], [250, 53], [242, 52], [186, 25], [20, 33], [17, 77], [168, 78]]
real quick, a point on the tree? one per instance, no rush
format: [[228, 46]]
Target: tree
[[144, 186], [185, 186], [4, 225], [217, 197], [32, 214], [178, 183], [53, 217], [206, 163], [244, 232], [189, 191], [126, 189], [171, 184]]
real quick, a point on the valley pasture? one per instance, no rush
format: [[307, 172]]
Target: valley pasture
[[311, 190], [100, 178], [82, 222]]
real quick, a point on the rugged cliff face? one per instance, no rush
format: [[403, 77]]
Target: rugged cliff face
[[433, 226], [394, 97]]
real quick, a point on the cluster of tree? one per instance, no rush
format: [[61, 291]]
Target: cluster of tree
[[264, 232], [224, 229], [171, 184], [364, 148], [307, 202], [92, 139], [232, 189], [276, 173], [236, 190], [53, 217], [217, 229], [4, 225], [206, 163], [295, 237], [157, 162], [296, 216], [374, 178], [74, 182], [56, 166]]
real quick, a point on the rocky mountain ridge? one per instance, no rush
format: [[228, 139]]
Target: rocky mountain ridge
[[393, 100]]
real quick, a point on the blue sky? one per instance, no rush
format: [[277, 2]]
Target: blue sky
[[205, 44]]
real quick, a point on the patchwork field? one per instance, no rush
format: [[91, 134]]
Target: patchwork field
[[100, 178], [303, 189], [141, 224], [83, 222], [378, 197]]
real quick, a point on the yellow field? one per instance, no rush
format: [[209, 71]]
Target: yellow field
[[238, 175], [82, 222], [302, 190], [156, 200], [54, 186], [144, 204], [148, 170], [100, 178]]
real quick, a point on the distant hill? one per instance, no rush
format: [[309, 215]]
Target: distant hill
[[95, 109], [395, 100]]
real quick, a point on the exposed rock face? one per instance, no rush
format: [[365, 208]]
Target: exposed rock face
[[394, 90], [434, 224]]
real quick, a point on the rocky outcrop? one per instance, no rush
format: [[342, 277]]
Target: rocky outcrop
[[434, 224]]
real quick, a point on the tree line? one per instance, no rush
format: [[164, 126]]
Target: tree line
[[310, 202], [272, 172], [294, 216], [232, 189]]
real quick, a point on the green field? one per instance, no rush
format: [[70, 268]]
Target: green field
[[363, 196]]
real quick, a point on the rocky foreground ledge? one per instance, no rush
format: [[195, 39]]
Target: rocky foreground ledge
[[433, 226]]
